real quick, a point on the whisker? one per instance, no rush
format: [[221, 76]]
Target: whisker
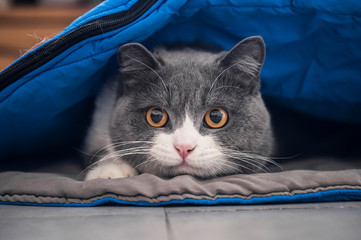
[[111, 147], [119, 143], [114, 155], [161, 79], [216, 79], [265, 159], [244, 166], [82, 152], [142, 163], [105, 148], [252, 159], [220, 167], [290, 157], [248, 66]]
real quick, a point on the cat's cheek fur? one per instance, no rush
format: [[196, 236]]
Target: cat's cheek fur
[[112, 170]]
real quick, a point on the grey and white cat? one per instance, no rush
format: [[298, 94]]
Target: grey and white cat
[[182, 111]]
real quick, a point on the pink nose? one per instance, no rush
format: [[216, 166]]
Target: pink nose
[[184, 150]]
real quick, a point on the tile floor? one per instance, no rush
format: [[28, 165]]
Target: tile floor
[[341, 220]]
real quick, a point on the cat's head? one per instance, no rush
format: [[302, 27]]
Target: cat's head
[[192, 112]]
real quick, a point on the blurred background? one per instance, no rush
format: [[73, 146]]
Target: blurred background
[[24, 24]]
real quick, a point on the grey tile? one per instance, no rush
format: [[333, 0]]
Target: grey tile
[[15, 212], [275, 207], [282, 223], [320, 221], [82, 223]]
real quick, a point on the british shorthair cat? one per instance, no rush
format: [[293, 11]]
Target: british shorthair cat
[[182, 111]]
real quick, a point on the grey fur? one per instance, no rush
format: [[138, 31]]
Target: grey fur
[[193, 81]]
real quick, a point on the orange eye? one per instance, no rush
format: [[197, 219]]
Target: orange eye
[[216, 117], [156, 117]]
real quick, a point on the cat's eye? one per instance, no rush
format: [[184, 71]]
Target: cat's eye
[[216, 117], [156, 117]]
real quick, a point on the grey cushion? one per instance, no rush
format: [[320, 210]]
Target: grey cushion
[[146, 189]]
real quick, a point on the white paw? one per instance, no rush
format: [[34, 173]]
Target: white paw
[[111, 170]]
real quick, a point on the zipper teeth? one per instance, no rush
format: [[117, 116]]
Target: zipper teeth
[[99, 26]]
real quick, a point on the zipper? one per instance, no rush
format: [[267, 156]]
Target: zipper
[[90, 29]]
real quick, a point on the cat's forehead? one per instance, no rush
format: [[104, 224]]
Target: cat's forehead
[[191, 71], [186, 56], [188, 88]]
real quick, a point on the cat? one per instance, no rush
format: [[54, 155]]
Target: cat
[[182, 111]]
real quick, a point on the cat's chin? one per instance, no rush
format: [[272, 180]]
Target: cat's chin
[[186, 169]]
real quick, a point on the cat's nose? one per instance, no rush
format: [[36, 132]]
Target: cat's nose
[[184, 150]]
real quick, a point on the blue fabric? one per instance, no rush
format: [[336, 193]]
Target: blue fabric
[[313, 62], [320, 196]]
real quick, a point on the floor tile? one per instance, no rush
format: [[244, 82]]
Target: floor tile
[[82, 223], [264, 222]]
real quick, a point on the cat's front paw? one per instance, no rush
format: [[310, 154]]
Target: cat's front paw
[[111, 170]]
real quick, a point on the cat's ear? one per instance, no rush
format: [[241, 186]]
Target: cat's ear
[[135, 57], [247, 56]]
